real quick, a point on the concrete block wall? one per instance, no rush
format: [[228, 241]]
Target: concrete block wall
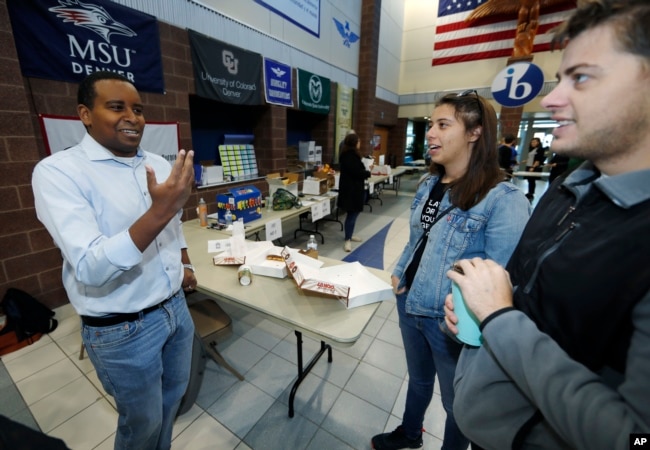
[[28, 258]]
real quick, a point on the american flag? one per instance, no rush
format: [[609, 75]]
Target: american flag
[[457, 41]]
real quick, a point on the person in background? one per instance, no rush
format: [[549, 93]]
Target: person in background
[[558, 164], [114, 211], [505, 153], [342, 143], [352, 191], [462, 208], [565, 361], [534, 163]]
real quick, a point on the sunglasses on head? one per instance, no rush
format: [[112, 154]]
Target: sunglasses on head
[[480, 106]]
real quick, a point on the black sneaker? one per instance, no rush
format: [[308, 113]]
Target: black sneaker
[[395, 440]]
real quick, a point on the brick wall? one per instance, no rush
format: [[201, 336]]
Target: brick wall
[[28, 257]]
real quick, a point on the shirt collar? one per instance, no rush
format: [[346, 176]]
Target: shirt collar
[[97, 152], [625, 190]]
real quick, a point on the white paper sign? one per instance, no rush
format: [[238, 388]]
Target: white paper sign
[[320, 210], [316, 211], [61, 132], [218, 245], [273, 230]]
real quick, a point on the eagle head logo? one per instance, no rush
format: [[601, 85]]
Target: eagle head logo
[[92, 17], [348, 36], [278, 71]]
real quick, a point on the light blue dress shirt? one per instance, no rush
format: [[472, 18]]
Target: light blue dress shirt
[[87, 198]]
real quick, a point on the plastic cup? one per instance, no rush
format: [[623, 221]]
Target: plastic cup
[[468, 330]]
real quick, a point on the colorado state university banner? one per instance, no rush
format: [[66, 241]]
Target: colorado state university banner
[[313, 92], [66, 40], [224, 72]]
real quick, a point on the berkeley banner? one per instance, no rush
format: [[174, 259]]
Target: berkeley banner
[[313, 92], [277, 83], [66, 40], [225, 73]]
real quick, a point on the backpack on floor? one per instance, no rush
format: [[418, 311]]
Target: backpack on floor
[[26, 316]]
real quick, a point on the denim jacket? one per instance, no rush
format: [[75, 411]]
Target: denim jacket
[[490, 229]]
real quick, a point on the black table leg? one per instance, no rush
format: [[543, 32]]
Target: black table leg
[[302, 372]]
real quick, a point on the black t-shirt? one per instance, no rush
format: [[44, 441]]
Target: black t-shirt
[[428, 217], [505, 156]]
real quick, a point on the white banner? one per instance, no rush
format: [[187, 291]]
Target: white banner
[[62, 132]]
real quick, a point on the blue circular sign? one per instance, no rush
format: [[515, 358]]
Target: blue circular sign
[[517, 84]]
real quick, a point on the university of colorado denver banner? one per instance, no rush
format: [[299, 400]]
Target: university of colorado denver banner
[[224, 72], [66, 40]]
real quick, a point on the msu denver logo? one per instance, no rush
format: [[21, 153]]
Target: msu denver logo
[[92, 17], [315, 89]]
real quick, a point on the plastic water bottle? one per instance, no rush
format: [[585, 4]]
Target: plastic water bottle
[[203, 213], [312, 245], [228, 217]]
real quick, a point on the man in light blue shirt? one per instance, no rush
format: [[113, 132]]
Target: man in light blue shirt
[[114, 211]]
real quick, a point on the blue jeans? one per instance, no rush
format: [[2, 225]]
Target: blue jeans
[[145, 366], [350, 222], [429, 352]]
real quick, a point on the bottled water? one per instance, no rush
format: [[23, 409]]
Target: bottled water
[[312, 244], [228, 217]]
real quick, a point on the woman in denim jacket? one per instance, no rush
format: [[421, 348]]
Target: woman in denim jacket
[[461, 210]]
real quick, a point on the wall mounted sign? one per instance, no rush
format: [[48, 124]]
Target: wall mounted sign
[[66, 40], [313, 92], [62, 132], [277, 83], [349, 36], [224, 72], [303, 13], [517, 84]]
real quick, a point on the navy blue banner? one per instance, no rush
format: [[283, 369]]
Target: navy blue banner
[[66, 40], [277, 83], [224, 72]]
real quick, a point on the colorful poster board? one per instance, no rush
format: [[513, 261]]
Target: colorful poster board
[[238, 161]]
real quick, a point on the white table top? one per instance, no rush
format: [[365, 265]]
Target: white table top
[[280, 300], [525, 173]]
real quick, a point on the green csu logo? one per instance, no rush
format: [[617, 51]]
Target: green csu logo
[[315, 89]]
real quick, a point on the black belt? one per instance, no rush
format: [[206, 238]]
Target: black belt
[[114, 319]]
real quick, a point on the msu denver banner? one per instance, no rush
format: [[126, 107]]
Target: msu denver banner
[[225, 73], [313, 92], [66, 40]]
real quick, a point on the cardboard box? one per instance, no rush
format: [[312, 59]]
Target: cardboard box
[[212, 175], [306, 150], [244, 202], [330, 177], [315, 186], [288, 181], [226, 259], [318, 155], [381, 170], [350, 283], [258, 259]]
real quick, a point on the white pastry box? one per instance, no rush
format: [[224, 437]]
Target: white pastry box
[[266, 259], [350, 283]]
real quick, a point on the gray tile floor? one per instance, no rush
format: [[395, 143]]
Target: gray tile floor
[[338, 406]]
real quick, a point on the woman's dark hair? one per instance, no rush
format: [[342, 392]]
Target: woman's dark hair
[[86, 93], [483, 172], [350, 143]]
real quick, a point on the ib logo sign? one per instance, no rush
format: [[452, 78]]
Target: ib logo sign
[[517, 84]]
